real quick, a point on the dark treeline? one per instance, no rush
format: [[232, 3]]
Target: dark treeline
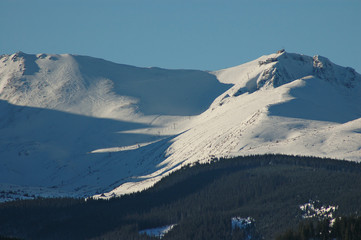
[[344, 228], [200, 199], [8, 238]]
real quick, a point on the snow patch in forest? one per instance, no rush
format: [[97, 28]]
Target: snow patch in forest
[[314, 209], [158, 232]]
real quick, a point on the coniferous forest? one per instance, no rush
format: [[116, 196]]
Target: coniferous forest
[[344, 228], [201, 200]]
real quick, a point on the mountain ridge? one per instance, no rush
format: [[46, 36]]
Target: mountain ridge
[[119, 129]]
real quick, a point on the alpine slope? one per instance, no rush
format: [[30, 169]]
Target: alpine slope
[[79, 126]]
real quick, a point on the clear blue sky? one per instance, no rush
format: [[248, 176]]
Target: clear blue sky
[[199, 34]]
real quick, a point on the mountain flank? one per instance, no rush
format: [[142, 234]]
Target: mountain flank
[[201, 202], [79, 126]]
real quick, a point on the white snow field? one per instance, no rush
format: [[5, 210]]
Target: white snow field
[[80, 126]]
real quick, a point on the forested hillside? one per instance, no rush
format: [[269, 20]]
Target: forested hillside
[[344, 228], [200, 200]]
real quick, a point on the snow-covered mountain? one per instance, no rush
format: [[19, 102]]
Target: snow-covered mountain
[[80, 126]]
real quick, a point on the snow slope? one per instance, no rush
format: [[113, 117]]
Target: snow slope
[[81, 126], [64, 120]]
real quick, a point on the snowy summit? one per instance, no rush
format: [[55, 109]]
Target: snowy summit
[[80, 126]]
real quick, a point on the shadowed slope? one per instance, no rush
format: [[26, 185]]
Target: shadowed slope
[[160, 91], [42, 147]]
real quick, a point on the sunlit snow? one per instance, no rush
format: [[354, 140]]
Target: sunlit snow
[[82, 126], [311, 210]]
